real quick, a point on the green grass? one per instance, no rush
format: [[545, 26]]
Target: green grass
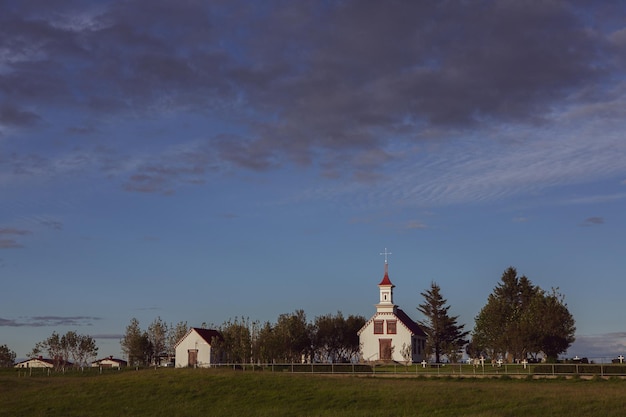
[[201, 392]]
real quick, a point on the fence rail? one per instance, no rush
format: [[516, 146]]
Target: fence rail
[[604, 370], [396, 369]]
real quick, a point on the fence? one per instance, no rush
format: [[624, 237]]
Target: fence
[[413, 370], [519, 370]]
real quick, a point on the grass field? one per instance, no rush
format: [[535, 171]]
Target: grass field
[[202, 392]]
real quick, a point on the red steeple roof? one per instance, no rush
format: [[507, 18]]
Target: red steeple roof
[[386, 280]]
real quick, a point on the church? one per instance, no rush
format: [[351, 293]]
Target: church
[[391, 335]]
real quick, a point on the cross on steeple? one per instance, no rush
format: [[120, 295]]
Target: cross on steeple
[[386, 254]]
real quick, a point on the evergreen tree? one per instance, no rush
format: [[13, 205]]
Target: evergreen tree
[[444, 335]]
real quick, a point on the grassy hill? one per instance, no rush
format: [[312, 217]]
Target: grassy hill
[[202, 392]]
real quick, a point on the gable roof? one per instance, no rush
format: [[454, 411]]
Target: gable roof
[[206, 334], [111, 359], [51, 362], [403, 318], [409, 323]]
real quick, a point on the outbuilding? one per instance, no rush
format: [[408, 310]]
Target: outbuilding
[[109, 362], [195, 348]]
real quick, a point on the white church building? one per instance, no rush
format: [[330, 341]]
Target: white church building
[[391, 335]]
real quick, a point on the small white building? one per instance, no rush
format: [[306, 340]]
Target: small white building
[[391, 335], [41, 362], [194, 349], [109, 362]]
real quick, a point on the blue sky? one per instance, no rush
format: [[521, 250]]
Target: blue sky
[[199, 161]]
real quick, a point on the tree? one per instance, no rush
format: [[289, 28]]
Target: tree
[[157, 335], [236, 345], [268, 344], [554, 327], [444, 335], [136, 344], [7, 357], [335, 338], [81, 348], [71, 346], [521, 319], [175, 333], [294, 336]]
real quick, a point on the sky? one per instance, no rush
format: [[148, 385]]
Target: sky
[[200, 161]]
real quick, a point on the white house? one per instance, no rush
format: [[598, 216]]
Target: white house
[[391, 335], [109, 362], [41, 362], [194, 349]]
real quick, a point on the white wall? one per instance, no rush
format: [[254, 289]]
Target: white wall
[[193, 341], [369, 341]]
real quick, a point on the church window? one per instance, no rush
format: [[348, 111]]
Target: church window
[[378, 326], [391, 327]]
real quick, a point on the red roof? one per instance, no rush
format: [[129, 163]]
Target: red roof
[[409, 323], [208, 334], [386, 281]]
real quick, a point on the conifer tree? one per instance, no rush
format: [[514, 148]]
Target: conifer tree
[[444, 335]]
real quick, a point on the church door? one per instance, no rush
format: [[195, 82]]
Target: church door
[[384, 349], [192, 355]]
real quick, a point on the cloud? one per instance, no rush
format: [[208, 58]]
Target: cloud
[[593, 221], [49, 321], [108, 336], [9, 244], [12, 116], [331, 86], [606, 346], [13, 231], [12, 243], [414, 224]]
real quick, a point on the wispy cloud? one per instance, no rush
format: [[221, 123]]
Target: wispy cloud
[[14, 231], [414, 224], [10, 243], [593, 221], [111, 336], [49, 321]]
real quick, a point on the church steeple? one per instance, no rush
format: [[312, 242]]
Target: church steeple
[[385, 304]]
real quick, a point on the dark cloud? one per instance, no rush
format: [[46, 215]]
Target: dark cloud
[[108, 336], [13, 116], [48, 321], [51, 223], [306, 80], [13, 231], [593, 221]]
